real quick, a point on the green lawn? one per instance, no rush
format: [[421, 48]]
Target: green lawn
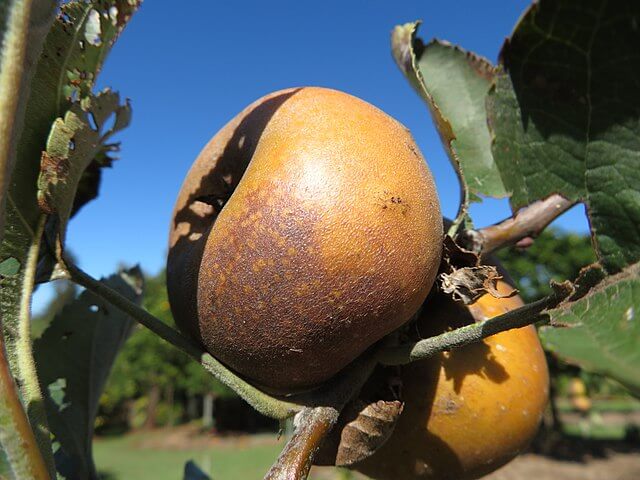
[[123, 458], [243, 458]]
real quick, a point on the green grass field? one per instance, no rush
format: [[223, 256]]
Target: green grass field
[[137, 456], [127, 457]]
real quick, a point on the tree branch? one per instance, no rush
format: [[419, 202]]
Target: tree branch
[[316, 420], [312, 425], [526, 224], [520, 317]]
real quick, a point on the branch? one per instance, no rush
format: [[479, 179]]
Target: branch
[[312, 426], [518, 318], [526, 224], [263, 403], [315, 421]]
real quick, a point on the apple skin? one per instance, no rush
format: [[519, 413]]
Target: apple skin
[[469, 411], [307, 229]]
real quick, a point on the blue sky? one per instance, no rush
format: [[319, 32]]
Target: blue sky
[[189, 67]]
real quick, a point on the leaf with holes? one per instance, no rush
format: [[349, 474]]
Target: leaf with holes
[[565, 114], [73, 144], [66, 72], [67, 64], [74, 356], [454, 83], [601, 331]]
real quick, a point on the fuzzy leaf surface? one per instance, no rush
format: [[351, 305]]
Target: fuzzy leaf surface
[[65, 70]]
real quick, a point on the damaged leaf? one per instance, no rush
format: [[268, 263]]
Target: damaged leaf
[[74, 356], [373, 425], [454, 84], [467, 284], [66, 64], [600, 331], [73, 144], [463, 278]]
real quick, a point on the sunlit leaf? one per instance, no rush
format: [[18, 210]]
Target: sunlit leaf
[[601, 331]]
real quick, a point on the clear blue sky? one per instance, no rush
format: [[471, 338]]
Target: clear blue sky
[[189, 67]]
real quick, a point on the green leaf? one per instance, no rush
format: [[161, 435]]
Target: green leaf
[[23, 27], [601, 331], [73, 144], [66, 70], [66, 73], [454, 83], [9, 267], [74, 357], [566, 116]]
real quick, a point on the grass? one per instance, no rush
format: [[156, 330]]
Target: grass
[[619, 405], [125, 457], [593, 431], [247, 457]]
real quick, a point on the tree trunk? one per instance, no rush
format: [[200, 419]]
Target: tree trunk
[[192, 407], [152, 407], [131, 414], [207, 410], [168, 395]]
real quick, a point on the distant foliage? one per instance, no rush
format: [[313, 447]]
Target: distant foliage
[[555, 255], [147, 362]]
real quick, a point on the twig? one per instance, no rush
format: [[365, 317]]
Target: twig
[[518, 318], [315, 421], [312, 426], [525, 225], [262, 402]]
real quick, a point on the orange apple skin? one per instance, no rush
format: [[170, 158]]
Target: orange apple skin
[[468, 411], [307, 229]]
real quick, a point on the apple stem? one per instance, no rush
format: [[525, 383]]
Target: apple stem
[[312, 424], [518, 230], [520, 317]]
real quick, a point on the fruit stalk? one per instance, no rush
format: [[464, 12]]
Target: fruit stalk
[[526, 315], [312, 426]]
